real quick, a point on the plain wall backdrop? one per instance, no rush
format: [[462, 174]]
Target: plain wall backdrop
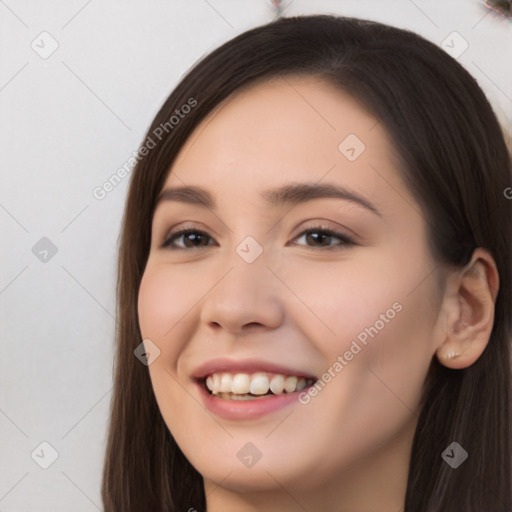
[[80, 81]]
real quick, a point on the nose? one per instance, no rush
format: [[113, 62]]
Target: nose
[[246, 296]]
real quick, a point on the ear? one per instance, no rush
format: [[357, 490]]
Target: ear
[[469, 306]]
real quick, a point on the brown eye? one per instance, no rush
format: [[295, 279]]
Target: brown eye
[[325, 237], [192, 238]]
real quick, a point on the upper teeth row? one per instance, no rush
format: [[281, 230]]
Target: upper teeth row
[[256, 383]]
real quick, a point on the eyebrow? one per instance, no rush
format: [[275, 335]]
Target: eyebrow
[[289, 194]]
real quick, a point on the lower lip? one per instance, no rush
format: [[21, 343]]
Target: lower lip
[[246, 409]]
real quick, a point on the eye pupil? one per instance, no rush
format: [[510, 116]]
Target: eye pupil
[[318, 235], [191, 237]]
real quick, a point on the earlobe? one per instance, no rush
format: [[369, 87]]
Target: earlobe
[[471, 314]]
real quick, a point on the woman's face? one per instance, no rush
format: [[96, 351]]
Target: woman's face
[[253, 296]]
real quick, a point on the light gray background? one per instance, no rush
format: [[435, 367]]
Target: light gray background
[[68, 122]]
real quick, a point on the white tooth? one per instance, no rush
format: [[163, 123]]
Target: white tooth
[[277, 384], [301, 383], [290, 384], [225, 383], [241, 384], [259, 384], [216, 383], [209, 382]]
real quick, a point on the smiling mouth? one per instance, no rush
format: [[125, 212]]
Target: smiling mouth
[[253, 386]]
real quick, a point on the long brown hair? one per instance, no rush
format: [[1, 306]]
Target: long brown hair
[[456, 165]]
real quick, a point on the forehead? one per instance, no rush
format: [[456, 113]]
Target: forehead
[[286, 130]]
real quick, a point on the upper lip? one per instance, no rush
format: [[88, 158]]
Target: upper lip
[[246, 366]]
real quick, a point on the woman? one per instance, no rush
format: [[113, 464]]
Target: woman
[[314, 278]]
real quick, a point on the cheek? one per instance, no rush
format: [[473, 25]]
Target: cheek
[[164, 300], [337, 301], [159, 310], [376, 318], [393, 329]]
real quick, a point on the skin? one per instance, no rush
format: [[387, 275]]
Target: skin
[[348, 449]]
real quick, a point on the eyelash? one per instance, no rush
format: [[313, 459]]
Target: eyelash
[[345, 240]]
